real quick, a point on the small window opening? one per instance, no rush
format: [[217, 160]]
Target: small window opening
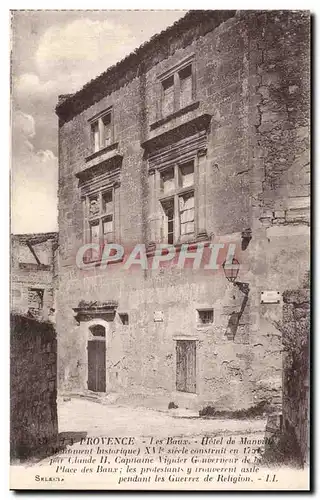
[[35, 298], [124, 318], [205, 316]]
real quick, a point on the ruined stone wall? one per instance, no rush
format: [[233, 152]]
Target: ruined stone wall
[[281, 52], [279, 174], [33, 388], [26, 273], [233, 370], [296, 367]]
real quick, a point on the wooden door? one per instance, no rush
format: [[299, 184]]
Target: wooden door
[[97, 365], [186, 365]]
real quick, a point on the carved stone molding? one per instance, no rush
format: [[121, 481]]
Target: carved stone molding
[[176, 114], [182, 150], [100, 176], [87, 311], [176, 134], [102, 152]]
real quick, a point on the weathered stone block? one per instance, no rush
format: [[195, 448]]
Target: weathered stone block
[[279, 214]]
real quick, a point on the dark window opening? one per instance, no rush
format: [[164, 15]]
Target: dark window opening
[[35, 298], [168, 208], [205, 316], [107, 202], [124, 318]]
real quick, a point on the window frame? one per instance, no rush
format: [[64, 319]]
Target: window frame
[[40, 292], [98, 119], [201, 311], [181, 211], [124, 318], [100, 217], [175, 73], [174, 196]]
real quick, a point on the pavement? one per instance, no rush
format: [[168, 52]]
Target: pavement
[[96, 419], [112, 446]]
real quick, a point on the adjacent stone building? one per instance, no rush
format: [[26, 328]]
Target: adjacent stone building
[[33, 387], [296, 369], [199, 136], [34, 274]]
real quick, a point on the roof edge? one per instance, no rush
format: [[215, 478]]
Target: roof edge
[[135, 62], [35, 237]]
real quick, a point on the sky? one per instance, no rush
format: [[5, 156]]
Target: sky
[[52, 53]]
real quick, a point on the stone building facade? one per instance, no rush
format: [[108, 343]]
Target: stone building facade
[[34, 272], [199, 136]]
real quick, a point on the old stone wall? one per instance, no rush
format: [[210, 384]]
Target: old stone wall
[[233, 85], [33, 387], [296, 367], [28, 273], [282, 54]]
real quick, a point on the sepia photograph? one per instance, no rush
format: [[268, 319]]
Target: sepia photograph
[[160, 250]]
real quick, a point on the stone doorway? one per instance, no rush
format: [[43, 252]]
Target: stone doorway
[[97, 359], [186, 366]]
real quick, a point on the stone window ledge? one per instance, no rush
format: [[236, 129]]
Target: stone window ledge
[[175, 114], [165, 139], [102, 151], [100, 165]]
